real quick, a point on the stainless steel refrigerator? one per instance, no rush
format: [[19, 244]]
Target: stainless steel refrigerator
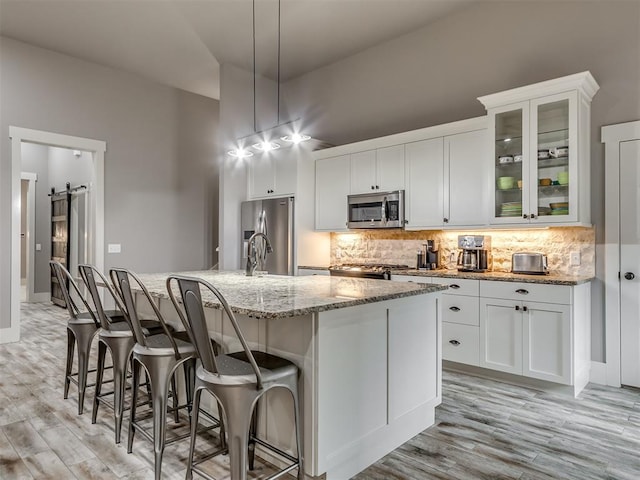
[[274, 218]]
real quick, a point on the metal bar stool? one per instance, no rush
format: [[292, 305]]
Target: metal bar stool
[[160, 355], [82, 327], [236, 380], [118, 339]]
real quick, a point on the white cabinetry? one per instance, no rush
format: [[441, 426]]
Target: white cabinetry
[[460, 320], [522, 335], [378, 170], [447, 181], [466, 179], [332, 188], [540, 154], [424, 180], [272, 174]]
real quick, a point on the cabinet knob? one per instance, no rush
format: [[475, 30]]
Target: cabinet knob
[[445, 220], [629, 275], [454, 286], [525, 216], [525, 309], [533, 215], [454, 309], [455, 343], [377, 187], [518, 307], [372, 187], [522, 291]]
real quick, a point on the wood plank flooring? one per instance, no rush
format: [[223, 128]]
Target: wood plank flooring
[[484, 429]]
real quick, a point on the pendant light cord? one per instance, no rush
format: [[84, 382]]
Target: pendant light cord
[[255, 126], [278, 108]]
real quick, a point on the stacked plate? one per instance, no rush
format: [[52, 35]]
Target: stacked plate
[[511, 209], [559, 208], [544, 211]]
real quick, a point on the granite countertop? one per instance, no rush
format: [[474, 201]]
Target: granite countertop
[[551, 279], [274, 296]]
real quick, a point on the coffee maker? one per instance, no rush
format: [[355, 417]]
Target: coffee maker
[[474, 255], [428, 257]]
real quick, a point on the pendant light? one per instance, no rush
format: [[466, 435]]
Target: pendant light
[[280, 136]]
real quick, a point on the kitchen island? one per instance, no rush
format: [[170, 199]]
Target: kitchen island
[[369, 352]]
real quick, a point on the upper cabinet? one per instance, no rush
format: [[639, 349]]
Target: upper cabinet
[[272, 174], [447, 181], [332, 188], [540, 152], [379, 170]]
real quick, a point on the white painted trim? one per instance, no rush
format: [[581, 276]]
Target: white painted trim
[[98, 148], [598, 373], [612, 135], [582, 82], [31, 228], [462, 126], [10, 335]]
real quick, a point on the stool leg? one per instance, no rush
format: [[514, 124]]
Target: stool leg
[[174, 388], [238, 406], [189, 377], [71, 341], [135, 367], [195, 413], [296, 413], [159, 377], [253, 430], [120, 355], [84, 336], [102, 351]]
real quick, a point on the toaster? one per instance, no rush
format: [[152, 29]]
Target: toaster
[[529, 262]]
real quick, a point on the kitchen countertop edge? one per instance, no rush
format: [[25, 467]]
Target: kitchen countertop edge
[[550, 279]]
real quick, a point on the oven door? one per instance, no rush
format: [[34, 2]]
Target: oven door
[[377, 210]]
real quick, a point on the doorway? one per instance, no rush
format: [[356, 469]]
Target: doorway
[[622, 253], [27, 231], [95, 229]]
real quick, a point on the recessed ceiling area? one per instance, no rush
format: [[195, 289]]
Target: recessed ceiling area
[[182, 43]]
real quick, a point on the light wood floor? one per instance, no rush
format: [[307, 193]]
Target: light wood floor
[[484, 429]]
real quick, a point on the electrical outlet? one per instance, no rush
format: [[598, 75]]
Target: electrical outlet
[[114, 248], [574, 259]]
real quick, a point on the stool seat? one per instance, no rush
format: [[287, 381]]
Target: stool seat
[[161, 345], [234, 368]]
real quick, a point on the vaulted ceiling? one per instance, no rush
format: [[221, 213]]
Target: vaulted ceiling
[[182, 43]]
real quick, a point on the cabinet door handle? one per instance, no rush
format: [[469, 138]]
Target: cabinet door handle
[[454, 309], [522, 291], [533, 215], [518, 307], [445, 220], [455, 286], [372, 187], [377, 187], [455, 343], [525, 216], [629, 276], [525, 309]]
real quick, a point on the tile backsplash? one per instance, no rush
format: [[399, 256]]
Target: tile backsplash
[[401, 247]]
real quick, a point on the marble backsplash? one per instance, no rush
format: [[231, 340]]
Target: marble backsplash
[[401, 247]]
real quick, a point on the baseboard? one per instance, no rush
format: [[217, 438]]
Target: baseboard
[[598, 373], [40, 297], [9, 335]]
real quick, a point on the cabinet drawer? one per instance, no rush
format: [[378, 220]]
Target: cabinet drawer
[[461, 309], [461, 343], [459, 286], [533, 292], [411, 278]]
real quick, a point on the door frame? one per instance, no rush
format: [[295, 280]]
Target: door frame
[[612, 136], [96, 229], [30, 253]]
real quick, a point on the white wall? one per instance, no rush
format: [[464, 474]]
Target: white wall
[[161, 161]]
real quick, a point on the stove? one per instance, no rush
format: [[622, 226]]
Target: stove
[[366, 270]]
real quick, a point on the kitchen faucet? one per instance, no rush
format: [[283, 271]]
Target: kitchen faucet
[[252, 254]]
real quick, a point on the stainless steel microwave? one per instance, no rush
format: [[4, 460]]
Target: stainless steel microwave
[[376, 210]]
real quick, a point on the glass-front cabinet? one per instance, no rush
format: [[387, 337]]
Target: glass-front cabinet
[[541, 160]]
